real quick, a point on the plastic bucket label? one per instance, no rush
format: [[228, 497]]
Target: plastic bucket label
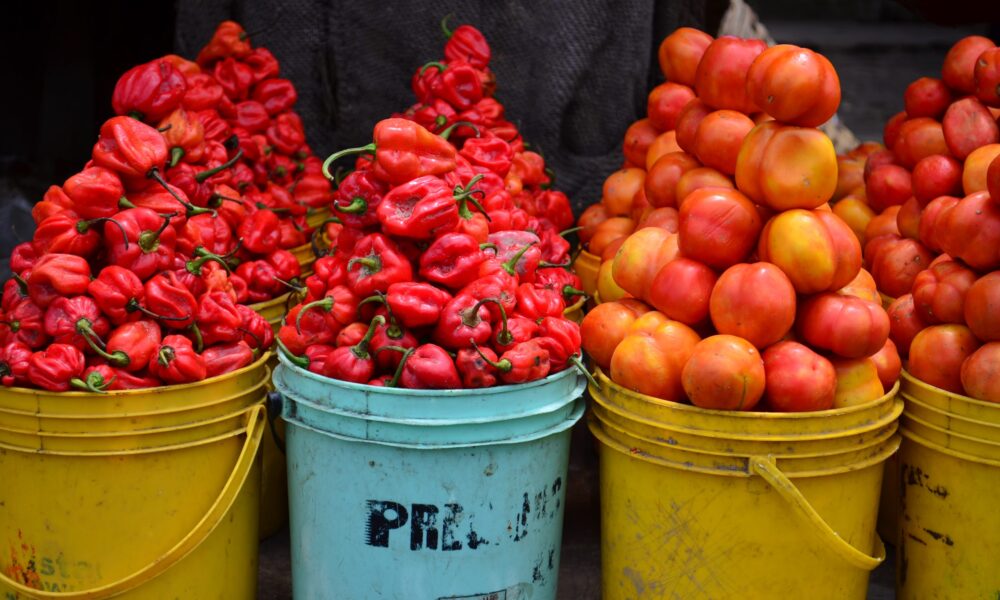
[[517, 592]]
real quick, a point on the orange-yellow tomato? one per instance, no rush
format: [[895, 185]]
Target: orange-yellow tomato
[[640, 257], [794, 85], [857, 382], [604, 327], [816, 249], [620, 188], [725, 372], [665, 143], [856, 213], [650, 362], [783, 167]]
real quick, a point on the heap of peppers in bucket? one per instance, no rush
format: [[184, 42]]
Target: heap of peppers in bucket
[[446, 267], [740, 290], [143, 263]]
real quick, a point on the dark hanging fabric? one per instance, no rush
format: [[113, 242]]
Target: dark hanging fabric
[[572, 75]]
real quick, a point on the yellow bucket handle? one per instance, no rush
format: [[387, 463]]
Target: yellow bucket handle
[[194, 538], [765, 467]]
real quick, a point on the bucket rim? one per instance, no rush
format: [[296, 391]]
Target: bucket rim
[[132, 433], [951, 396], [749, 414], [264, 381], [892, 414], [350, 414], [919, 439], [560, 427], [133, 451], [266, 304], [261, 361], [596, 429], [455, 393], [883, 429], [951, 433], [947, 414]]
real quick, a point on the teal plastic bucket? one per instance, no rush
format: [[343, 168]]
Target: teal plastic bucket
[[430, 494]]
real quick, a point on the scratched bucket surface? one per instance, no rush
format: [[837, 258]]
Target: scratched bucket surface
[[172, 517], [713, 504], [471, 509], [949, 536]]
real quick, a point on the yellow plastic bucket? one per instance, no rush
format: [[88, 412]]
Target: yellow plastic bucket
[[949, 530], [316, 216], [698, 503], [306, 257], [574, 312], [166, 512], [586, 266]]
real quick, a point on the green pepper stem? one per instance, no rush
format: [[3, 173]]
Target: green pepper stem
[[150, 240], [441, 67], [357, 206], [394, 382], [165, 128], [194, 266], [95, 383], [191, 209], [361, 348], [444, 26], [326, 304], [368, 148], [289, 284], [566, 232], [511, 264], [504, 336], [202, 176], [124, 203], [117, 358], [340, 174], [489, 245], [133, 305], [569, 290], [372, 263], [84, 226], [503, 365], [298, 361], [447, 132], [176, 154], [547, 265], [575, 359], [199, 342], [21, 284]]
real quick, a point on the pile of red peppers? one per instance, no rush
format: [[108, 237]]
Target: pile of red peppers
[[143, 263], [446, 266]]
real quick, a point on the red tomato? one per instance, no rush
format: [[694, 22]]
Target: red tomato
[[718, 227], [640, 257], [755, 302], [939, 292], [904, 322], [845, 325], [698, 178], [908, 219], [888, 185], [888, 363], [724, 372], [926, 97], [977, 166], [681, 290], [783, 167], [982, 307], [604, 327], [680, 52], [816, 249], [638, 138], [936, 175], [688, 121], [850, 176], [937, 354], [980, 373], [721, 80], [651, 362], [993, 179], [987, 77], [620, 188], [970, 231], [798, 379], [968, 125], [959, 69], [890, 133], [794, 85], [590, 218], [661, 179], [919, 138], [929, 230], [608, 231], [896, 265], [718, 139], [665, 103]]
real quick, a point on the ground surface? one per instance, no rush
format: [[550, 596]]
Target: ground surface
[[875, 64]]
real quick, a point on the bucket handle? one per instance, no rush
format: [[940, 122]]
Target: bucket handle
[[765, 467], [215, 514]]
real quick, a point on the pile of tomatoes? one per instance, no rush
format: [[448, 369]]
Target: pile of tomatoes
[[926, 207], [741, 289]]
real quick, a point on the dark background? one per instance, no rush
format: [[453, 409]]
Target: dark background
[[573, 75]]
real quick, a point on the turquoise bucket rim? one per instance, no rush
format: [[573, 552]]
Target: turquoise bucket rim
[[451, 393], [577, 413]]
